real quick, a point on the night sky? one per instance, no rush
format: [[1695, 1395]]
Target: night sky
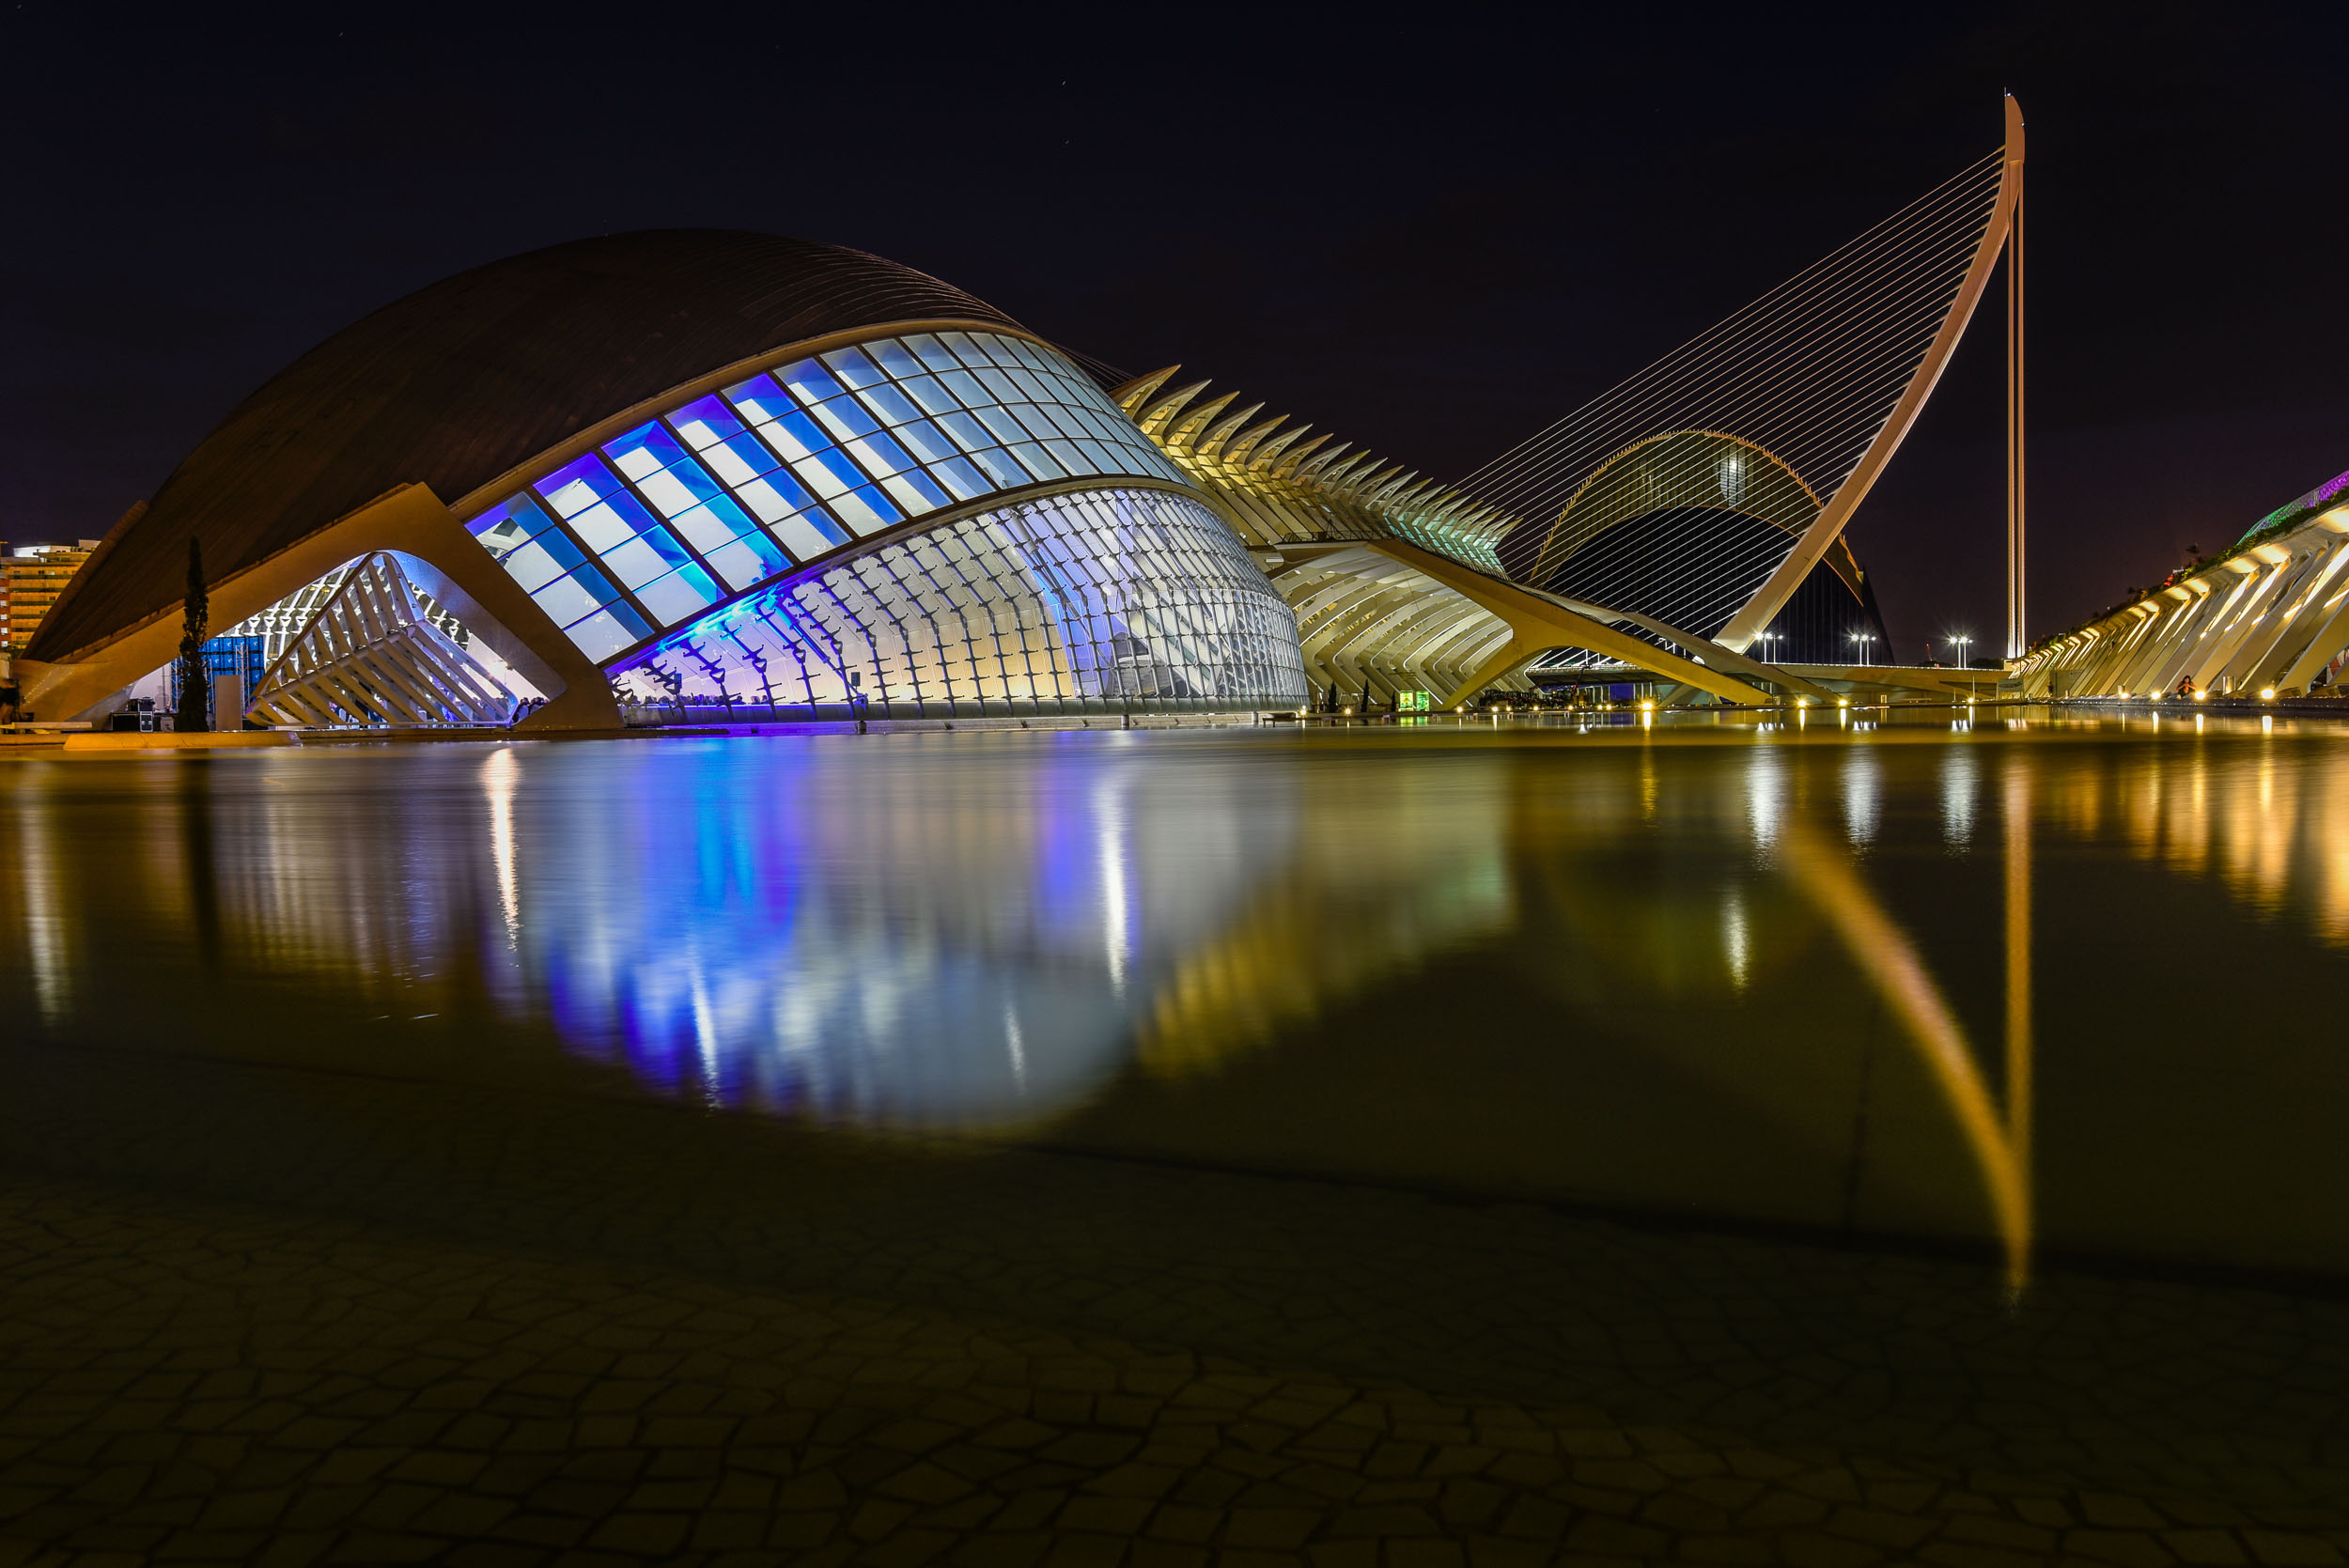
[[1434, 231]]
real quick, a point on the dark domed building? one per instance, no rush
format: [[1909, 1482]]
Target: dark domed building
[[688, 465], [693, 475]]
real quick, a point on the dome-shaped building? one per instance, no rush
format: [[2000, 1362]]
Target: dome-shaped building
[[692, 474], [686, 466]]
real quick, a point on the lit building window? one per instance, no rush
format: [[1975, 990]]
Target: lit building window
[[1080, 601], [736, 488]]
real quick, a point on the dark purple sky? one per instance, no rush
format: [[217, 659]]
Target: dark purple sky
[[1432, 230]]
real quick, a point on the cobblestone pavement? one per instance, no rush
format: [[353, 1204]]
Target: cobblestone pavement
[[259, 1312], [190, 1382]]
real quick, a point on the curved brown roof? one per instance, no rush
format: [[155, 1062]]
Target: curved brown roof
[[459, 382]]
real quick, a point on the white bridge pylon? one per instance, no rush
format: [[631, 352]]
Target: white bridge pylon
[[1820, 380]]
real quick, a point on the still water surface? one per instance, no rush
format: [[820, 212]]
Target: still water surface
[[2022, 989]]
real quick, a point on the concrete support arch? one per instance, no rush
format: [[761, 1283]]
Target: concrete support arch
[[444, 560]]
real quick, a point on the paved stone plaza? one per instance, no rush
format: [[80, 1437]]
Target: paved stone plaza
[[186, 1382], [313, 1318]]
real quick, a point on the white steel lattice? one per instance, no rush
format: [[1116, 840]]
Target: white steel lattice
[[372, 657]]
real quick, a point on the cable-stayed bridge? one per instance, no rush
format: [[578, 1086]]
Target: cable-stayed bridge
[[1680, 523]]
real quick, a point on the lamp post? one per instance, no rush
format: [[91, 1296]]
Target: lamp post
[[1864, 639], [1959, 642]]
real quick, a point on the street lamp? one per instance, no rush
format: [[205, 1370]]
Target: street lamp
[[1765, 639], [1864, 639], [1960, 644]]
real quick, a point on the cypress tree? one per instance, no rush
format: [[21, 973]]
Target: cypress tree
[[195, 689]]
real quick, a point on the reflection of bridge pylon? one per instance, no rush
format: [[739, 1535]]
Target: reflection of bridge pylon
[[2000, 1141]]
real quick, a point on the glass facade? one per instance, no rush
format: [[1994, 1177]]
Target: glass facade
[[739, 486], [1078, 602]]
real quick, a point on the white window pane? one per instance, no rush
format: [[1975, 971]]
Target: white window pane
[[636, 563], [822, 478], [676, 596], [601, 527], [663, 490], [564, 599], [533, 566], [809, 535], [859, 514], [599, 636]]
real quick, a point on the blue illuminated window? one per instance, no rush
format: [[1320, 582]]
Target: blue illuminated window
[[893, 406], [809, 381], [510, 523], [713, 524], [1002, 467], [611, 521], [644, 450], [704, 422], [784, 468], [543, 559], [810, 534], [740, 460], [1002, 424], [1038, 463], [577, 486], [896, 357], [866, 511], [775, 496], [845, 418], [760, 399], [967, 389], [574, 594], [879, 455], [608, 631], [926, 442], [678, 597], [678, 490], [828, 472], [931, 394], [852, 367], [932, 353], [915, 492], [748, 561], [641, 560], [965, 482], [795, 436]]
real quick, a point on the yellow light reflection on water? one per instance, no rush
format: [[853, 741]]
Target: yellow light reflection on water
[[993, 934]]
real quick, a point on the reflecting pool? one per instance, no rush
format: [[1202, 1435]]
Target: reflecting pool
[[1966, 1091], [2027, 986]]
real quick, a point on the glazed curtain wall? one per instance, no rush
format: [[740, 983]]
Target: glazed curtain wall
[[732, 490], [1084, 602]]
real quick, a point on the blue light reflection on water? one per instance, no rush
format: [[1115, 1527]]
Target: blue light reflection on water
[[1669, 957], [801, 933]]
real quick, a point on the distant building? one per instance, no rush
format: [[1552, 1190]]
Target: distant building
[[31, 578], [2265, 617]]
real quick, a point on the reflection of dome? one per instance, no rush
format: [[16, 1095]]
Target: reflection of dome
[[827, 936], [462, 381]]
